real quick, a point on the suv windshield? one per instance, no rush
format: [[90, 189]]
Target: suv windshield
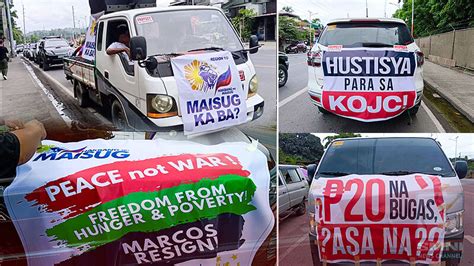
[[181, 31], [389, 156], [55, 43], [366, 34]]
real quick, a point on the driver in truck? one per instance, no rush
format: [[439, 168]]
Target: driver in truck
[[121, 46]]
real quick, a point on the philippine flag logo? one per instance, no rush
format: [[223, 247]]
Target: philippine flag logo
[[224, 79]]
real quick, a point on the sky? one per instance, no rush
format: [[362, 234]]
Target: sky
[[331, 9], [448, 144], [48, 14]]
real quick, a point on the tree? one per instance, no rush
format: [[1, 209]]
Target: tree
[[288, 29], [299, 148], [243, 22], [288, 9], [329, 139], [17, 33]]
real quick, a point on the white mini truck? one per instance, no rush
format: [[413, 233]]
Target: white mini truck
[[143, 95]]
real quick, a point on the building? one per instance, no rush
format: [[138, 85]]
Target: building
[[265, 21]]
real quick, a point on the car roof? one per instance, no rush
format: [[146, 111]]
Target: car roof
[[363, 138], [133, 12], [343, 20]]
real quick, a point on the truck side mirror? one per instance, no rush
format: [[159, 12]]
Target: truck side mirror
[[253, 45], [138, 48], [311, 171], [461, 168]]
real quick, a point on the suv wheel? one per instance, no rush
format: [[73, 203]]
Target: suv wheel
[[282, 75], [45, 65], [301, 208]]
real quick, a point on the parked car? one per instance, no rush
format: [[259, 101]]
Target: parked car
[[26, 50], [296, 47], [292, 191], [33, 51], [369, 34], [19, 48], [283, 66], [51, 51], [395, 156]]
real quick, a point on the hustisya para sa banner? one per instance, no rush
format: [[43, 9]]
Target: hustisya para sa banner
[[211, 95], [368, 85], [162, 202], [375, 218]]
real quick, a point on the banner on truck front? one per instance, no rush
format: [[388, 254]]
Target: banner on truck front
[[88, 49], [211, 95], [136, 202], [377, 218], [368, 85]]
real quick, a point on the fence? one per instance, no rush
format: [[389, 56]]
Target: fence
[[454, 48]]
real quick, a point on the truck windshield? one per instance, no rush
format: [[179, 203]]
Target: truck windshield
[[366, 34], [55, 43], [181, 31], [388, 156]]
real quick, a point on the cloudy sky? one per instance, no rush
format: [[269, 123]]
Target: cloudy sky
[[331, 9], [465, 141], [47, 14]]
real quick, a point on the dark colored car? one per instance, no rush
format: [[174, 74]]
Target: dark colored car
[[296, 47], [52, 51], [283, 66]]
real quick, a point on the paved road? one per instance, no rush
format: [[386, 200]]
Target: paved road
[[296, 104], [294, 246], [263, 129]]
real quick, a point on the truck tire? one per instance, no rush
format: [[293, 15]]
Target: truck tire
[[282, 75], [119, 118], [324, 111], [81, 94], [45, 65], [301, 208]]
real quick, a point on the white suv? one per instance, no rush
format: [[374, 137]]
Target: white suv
[[370, 36]]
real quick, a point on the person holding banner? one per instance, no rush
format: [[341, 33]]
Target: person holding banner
[[18, 146]]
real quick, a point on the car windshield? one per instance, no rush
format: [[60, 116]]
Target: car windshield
[[366, 34], [388, 156], [55, 43], [181, 31]]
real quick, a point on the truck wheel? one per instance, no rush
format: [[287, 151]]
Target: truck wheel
[[118, 116], [81, 94], [282, 75], [301, 209], [45, 65], [324, 111]]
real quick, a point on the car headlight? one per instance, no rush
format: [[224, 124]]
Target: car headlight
[[253, 87], [454, 223], [161, 106]]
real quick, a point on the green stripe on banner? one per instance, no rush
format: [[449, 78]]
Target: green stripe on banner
[[154, 211]]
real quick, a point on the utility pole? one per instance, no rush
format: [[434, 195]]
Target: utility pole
[[311, 23], [385, 9], [24, 28], [455, 147], [73, 18], [10, 28]]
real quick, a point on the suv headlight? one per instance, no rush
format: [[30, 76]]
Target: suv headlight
[[253, 87], [454, 223], [160, 106]]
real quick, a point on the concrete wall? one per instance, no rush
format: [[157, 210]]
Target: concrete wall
[[453, 48]]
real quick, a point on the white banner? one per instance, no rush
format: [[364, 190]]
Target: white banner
[[134, 202], [211, 95], [88, 50]]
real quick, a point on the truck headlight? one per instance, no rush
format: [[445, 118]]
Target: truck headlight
[[160, 106], [253, 87], [454, 223]]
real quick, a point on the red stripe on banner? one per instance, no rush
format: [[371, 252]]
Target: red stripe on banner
[[77, 193], [421, 182], [438, 193]]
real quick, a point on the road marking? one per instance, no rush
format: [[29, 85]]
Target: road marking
[[66, 90], [292, 247], [433, 118], [57, 105], [292, 97], [469, 238]]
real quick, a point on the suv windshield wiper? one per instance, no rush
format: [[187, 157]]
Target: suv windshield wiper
[[405, 172], [334, 173]]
